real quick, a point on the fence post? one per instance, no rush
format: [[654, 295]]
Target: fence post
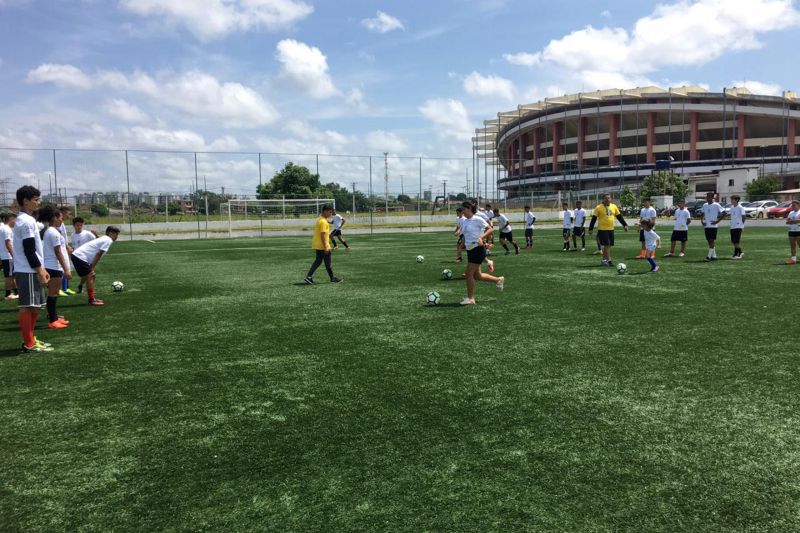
[[230, 221], [419, 203], [196, 197], [55, 178], [371, 204], [128, 180], [283, 208]]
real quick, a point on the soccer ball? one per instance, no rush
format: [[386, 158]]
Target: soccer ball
[[447, 273], [420, 259], [433, 298], [622, 268], [117, 286]]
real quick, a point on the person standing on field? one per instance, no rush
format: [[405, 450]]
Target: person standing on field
[[647, 214], [737, 226], [578, 226], [604, 215], [713, 213], [321, 244], [793, 221]]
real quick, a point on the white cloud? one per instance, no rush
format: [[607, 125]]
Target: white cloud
[[195, 93], [61, 75], [605, 14], [210, 19], [384, 141], [382, 23], [450, 117], [758, 87], [307, 67], [355, 98], [124, 111], [524, 59], [491, 86], [678, 34]]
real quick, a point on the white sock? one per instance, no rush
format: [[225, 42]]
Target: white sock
[[714, 253], [710, 253]]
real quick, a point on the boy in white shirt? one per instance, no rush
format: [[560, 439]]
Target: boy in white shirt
[[652, 241], [338, 223], [55, 262], [738, 217], [80, 237], [566, 227], [7, 254], [489, 217], [506, 232], [459, 234], [713, 213], [680, 231], [476, 231], [578, 229], [647, 213], [530, 219], [86, 257], [793, 221]]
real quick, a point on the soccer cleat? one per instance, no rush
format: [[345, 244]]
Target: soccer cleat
[[681, 254], [37, 342], [336, 280], [80, 289], [656, 269], [62, 293], [36, 348], [583, 249], [501, 284], [491, 265], [516, 252], [737, 257], [458, 259], [308, 281], [669, 254], [468, 301], [641, 256], [597, 252], [12, 297], [96, 302], [707, 259], [56, 325], [791, 262], [63, 320], [70, 292], [507, 253]]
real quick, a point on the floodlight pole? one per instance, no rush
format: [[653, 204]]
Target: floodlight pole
[[419, 202], [371, 198], [55, 177], [196, 197], [128, 180], [386, 183]]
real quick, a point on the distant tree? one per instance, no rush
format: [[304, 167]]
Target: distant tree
[[403, 199], [461, 197], [664, 182], [292, 180], [759, 188], [215, 201], [100, 210], [626, 198]]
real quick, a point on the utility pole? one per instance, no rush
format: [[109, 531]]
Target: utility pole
[[402, 190], [386, 180], [354, 198], [446, 199], [466, 176]]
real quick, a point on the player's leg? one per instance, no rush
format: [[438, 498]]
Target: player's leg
[[643, 253], [314, 266], [472, 269], [30, 302], [513, 243], [344, 242], [672, 243], [503, 244], [53, 291], [326, 258], [583, 239], [793, 248], [574, 239], [651, 258]]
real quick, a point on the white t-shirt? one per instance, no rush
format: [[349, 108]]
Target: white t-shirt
[[490, 214], [650, 240], [480, 214], [79, 239], [711, 213], [529, 217], [87, 252], [26, 228], [502, 221], [648, 213], [6, 234], [682, 218], [737, 217], [337, 221], [567, 222], [472, 229], [794, 215], [580, 217], [52, 240]]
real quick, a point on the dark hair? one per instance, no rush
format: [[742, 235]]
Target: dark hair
[[467, 205], [496, 210], [527, 207], [326, 207], [64, 209], [459, 209], [47, 214], [647, 224], [488, 206], [8, 216], [112, 229], [77, 220], [736, 197], [27, 192], [646, 199]]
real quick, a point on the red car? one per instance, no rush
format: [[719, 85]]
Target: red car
[[780, 211]]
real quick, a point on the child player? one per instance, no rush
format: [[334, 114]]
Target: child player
[[29, 271], [485, 215], [7, 254], [65, 290], [578, 229], [476, 230], [680, 231], [55, 262], [80, 237], [86, 257], [530, 219], [652, 241], [737, 226], [457, 232], [506, 234], [566, 227], [793, 221], [338, 223], [646, 214], [712, 214]]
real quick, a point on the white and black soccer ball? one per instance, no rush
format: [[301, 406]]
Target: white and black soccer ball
[[420, 259], [117, 286], [433, 298], [447, 274], [622, 268]]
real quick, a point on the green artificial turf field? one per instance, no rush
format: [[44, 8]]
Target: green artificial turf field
[[218, 393]]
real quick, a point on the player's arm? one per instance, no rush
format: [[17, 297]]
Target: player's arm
[[344, 221], [63, 261], [29, 249], [720, 216], [621, 221], [326, 241], [592, 223], [486, 234], [9, 247]]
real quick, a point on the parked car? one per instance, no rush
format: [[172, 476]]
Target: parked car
[[759, 209], [695, 207], [727, 207], [780, 211]]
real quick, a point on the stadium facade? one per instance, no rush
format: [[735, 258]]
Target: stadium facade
[[605, 139]]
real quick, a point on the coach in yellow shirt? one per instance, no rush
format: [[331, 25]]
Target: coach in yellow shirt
[[604, 215], [321, 244]]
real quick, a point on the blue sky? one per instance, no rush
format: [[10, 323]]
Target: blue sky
[[411, 78]]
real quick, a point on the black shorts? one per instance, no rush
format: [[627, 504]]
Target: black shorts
[[30, 290], [794, 234], [606, 237], [336, 233], [55, 273], [680, 235], [736, 235], [641, 235], [507, 236], [7, 268], [529, 232], [578, 232], [81, 267], [711, 234], [476, 255], [565, 232]]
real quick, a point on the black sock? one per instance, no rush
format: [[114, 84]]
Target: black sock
[[52, 314], [15, 291], [345, 244], [516, 248], [505, 247], [8, 293]]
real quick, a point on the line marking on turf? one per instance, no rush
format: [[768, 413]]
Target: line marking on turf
[[270, 249]]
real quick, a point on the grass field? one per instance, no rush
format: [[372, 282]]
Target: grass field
[[218, 393]]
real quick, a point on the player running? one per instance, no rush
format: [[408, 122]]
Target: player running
[[646, 214], [578, 223], [506, 233], [680, 231], [476, 230], [487, 217], [338, 223]]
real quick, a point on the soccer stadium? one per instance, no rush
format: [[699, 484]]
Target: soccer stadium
[[601, 139]]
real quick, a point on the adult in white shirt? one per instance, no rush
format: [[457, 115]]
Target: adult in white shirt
[[7, 254], [578, 223], [476, 230], [738, 217], [646, 214], [338, 223], [793, 221], [680, 231], [530, 218], [506, 232], [566, 227], [713, 213]]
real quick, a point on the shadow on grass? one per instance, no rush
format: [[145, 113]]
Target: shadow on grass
[[594, 266], [12, 352]]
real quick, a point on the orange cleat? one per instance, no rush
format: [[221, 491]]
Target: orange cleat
[[96, 302], [791, 262], [56, 325], [63, 320]]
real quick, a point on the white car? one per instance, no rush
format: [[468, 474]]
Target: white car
[[759, 209]]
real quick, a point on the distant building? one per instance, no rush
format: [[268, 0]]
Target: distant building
[[426, 195]]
